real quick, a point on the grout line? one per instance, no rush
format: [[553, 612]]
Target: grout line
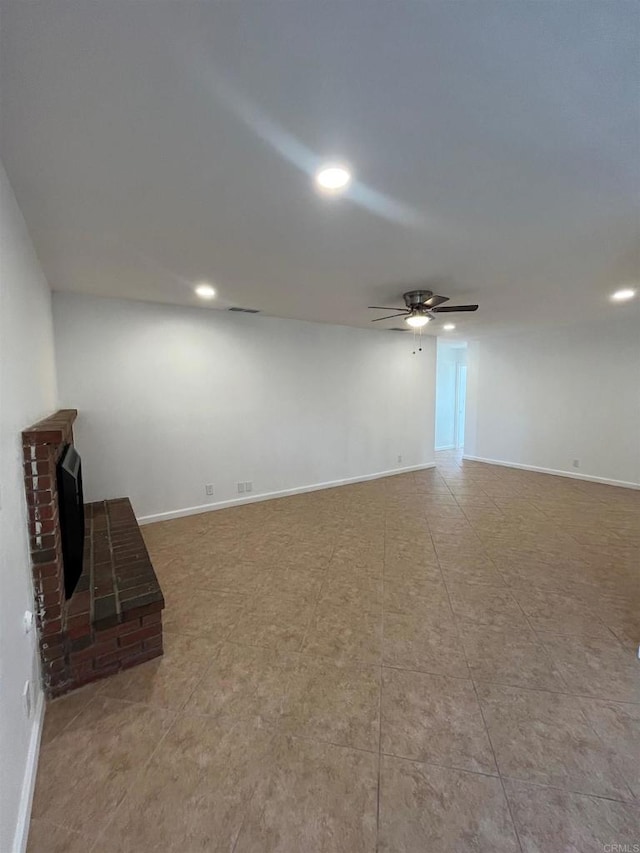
[[486, 728], [135, 776], [504, 790], [381, 674]]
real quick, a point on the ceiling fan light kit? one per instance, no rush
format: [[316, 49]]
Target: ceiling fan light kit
[[421, 306]]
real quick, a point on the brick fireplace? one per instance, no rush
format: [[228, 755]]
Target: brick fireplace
[[113, 619]]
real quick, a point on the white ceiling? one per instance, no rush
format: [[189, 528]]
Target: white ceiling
[[496, 145]]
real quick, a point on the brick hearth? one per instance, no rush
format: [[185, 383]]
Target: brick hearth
[[113, 620]]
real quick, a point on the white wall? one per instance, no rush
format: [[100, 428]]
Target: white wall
[[27, 393], [173, 398], [450, 355], [544, 399]]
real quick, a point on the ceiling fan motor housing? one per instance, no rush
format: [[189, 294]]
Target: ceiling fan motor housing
[[416, 298]]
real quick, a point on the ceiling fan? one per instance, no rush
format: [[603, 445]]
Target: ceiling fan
[[421, 307]]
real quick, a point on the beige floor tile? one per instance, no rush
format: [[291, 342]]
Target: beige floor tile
[[317, 797], [429, 597], [303, 584], [167, 681], [559, 614], [428, 642], [356, 590], [597, 667], [45, 837], [61, 712], [90, 766], [207, 613], [507, 655], [549, 821], [305, 587], [273, 621], [399, 585], [435, 719], [485, 605], [428, 808], [618, 726], [240, 576], [470, 571], [244, 683], [194, 794], [545, 738], [334, 702], [348, 634]]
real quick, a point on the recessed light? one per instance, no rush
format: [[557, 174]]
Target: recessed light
[[333, 178], [417, 321], [448, 327], [205, 291], [623, 294]]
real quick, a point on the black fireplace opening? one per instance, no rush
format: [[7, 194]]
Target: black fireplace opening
[[71, 511]]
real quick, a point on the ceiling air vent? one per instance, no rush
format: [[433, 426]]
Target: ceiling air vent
[[245, 310]]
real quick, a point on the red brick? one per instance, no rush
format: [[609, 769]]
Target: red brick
[[46, 481], [153, 643], [43, 542], [145, 609], [42, 497], [129, 627], [49, 584], [134, 660], [43, 513], [50, 613], [152, 619], [57, 665], [80, 602], [48, 629], [51, 652], [109, 658], [139, 636], [97, 674], [38, 468], [49, 605]]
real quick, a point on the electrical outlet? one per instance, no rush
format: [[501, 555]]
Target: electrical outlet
[[240, 488], [248, 486], [576, 463], [26, 698], [399, 458], [209, 489]]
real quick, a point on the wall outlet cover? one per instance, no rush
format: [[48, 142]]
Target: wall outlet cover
[[209, 489], [240, 488]]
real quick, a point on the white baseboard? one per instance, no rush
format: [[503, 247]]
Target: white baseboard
[[265, 496], [446, 447], [555, 472], [29, 782]]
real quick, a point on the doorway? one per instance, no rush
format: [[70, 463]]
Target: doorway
[[461, 400], [451, 394]]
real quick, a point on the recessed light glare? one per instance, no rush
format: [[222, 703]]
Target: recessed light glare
[[623, 294], [333, 178], [448, 327], [417, 321], [205, 291]]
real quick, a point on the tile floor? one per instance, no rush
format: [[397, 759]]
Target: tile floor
[[433, 662]]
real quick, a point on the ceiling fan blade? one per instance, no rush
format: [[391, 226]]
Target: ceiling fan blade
[[452, 308], [402, 314], [434, 300], [384, 308]]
